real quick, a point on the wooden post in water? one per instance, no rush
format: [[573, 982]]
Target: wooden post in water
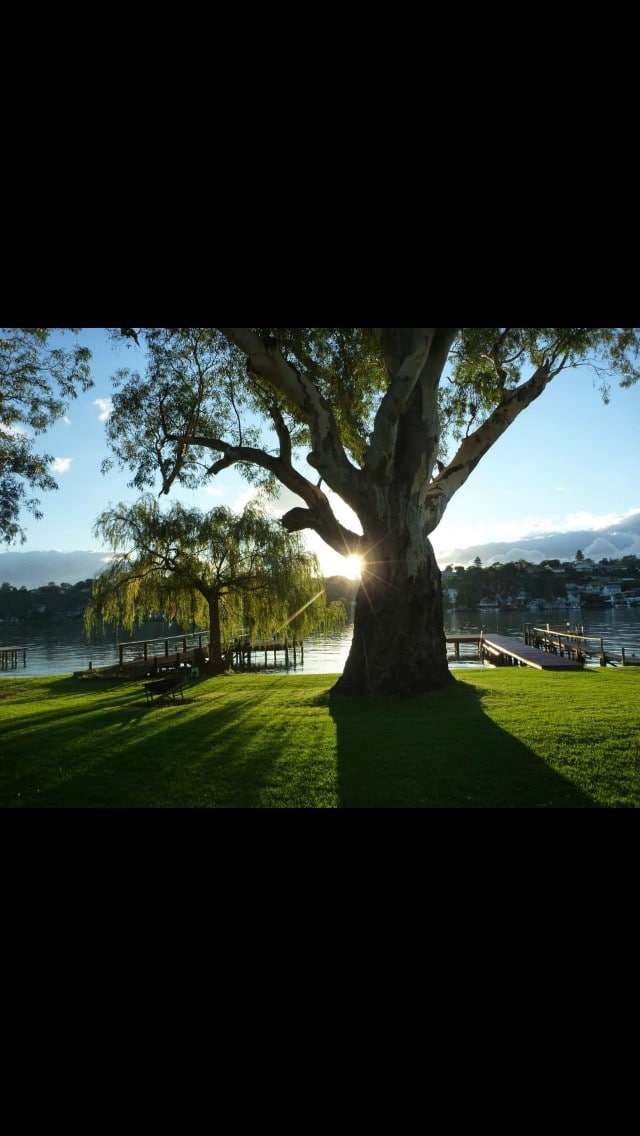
[[286, 653]]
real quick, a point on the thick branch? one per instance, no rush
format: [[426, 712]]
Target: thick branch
[[318, 515], [476, 445], [327, 456], [284, 437], [337, 536], [412, 356]]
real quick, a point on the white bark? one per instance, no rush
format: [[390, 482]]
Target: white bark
[[413, 356], [394, 489], [327, 455], [476, 445]]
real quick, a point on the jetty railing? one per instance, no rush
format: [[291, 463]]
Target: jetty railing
[[245, 651], [149, 647], [576, 643], [9, 657]]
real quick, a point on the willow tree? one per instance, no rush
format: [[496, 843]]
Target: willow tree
[[226, 570], [392, 420], [37, 382]]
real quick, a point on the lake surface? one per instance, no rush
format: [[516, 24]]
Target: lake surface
[[59, 648]]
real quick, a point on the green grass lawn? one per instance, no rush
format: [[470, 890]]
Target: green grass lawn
[[505, 738]]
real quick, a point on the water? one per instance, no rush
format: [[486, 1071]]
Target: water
[[60, 648]]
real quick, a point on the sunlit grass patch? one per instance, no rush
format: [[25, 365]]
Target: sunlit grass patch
[[509, 738]]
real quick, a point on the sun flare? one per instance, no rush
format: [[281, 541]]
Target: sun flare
[[353, 567]]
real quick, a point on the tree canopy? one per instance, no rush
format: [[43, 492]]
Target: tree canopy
[[226, 571], [392, 420], [362, 404], [37, 382]]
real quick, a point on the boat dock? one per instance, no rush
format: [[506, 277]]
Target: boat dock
[[504, 651], [9, 657], [140, 657], [544, 648], [458, 641], [579, 646], [247, 654]]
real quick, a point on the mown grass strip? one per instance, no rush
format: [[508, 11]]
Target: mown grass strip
[[509, 738]]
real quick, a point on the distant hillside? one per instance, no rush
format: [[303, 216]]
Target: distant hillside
[[622, 539], [35, 569]]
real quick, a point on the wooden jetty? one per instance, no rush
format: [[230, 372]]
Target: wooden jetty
[[173, 645], [575, 644], [247, 653], [503, 650], [138, 658], [465, 641], [9, 657], [545, 648]]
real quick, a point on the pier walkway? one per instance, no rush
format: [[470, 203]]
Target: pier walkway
[[9, 657], [503, 650]]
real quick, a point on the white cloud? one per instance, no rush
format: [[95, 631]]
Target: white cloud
[[587, 520], [244, 497], [212, 491], [66, 420], [61, 465], [451, 535], [600, 548], [105, 406], [14, 431]]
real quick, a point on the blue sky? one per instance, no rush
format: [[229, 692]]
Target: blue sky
[[569, 462]]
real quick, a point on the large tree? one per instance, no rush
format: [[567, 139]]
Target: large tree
[[226, 570], [392, 420], [37, 381]]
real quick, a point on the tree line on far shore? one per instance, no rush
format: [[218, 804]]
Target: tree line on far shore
[[67, 602], [472, 583], [548, 580]]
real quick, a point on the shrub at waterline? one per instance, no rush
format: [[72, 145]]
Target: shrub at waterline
[[493, 739]]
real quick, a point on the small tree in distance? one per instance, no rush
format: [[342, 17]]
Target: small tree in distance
[[227, 570]]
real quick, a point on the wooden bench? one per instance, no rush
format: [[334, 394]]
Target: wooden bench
[[163, 689]]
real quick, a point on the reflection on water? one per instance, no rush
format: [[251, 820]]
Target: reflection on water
[[54, 649]]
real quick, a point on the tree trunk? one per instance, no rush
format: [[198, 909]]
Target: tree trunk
[[399, 645], [215, 641]]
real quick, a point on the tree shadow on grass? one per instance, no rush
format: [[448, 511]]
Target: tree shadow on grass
[[155, 756], [442, 751]]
